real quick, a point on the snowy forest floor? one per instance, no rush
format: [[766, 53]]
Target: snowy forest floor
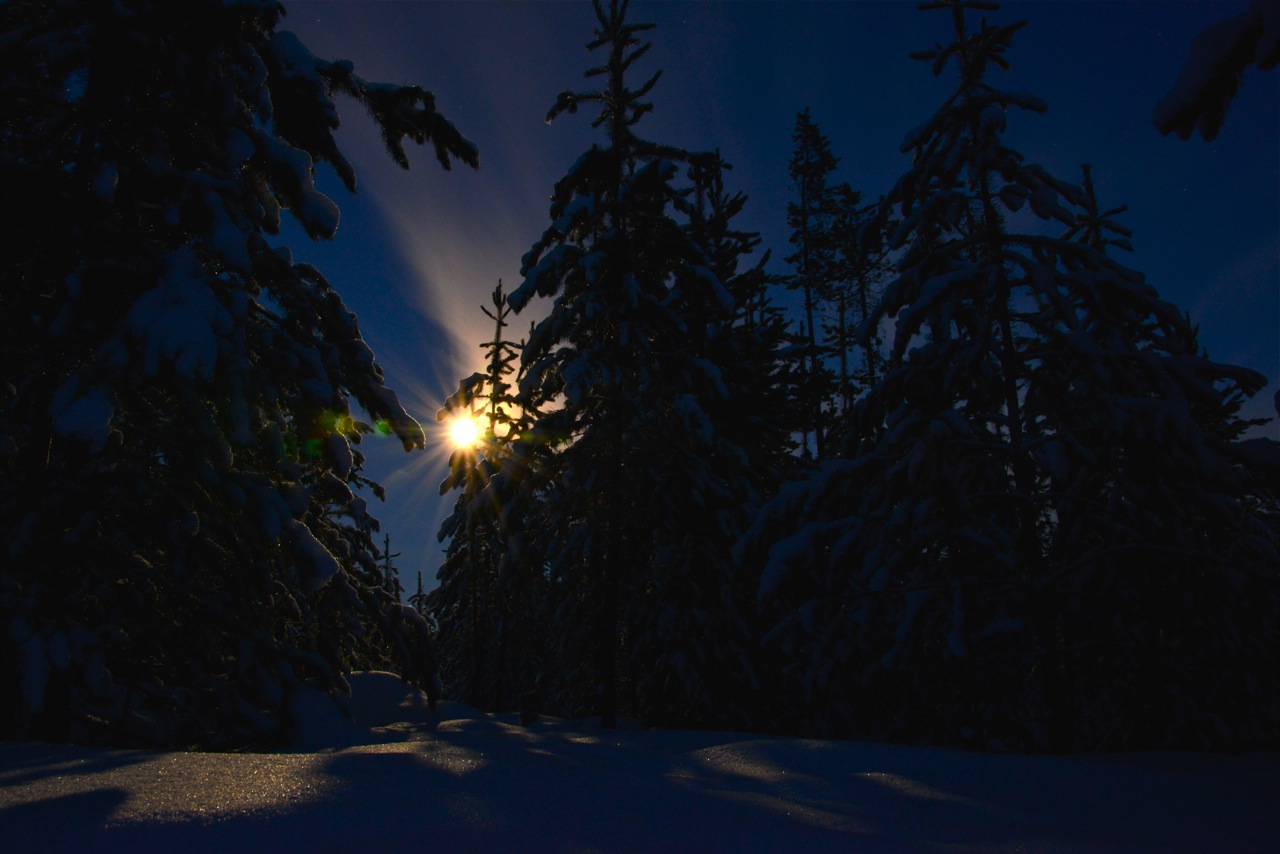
[[407, 779]]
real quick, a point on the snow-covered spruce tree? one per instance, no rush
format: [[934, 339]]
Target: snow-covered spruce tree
[[488, 636], [811, 217], [1215, 71], [633, 508], [751, 347], [760, 362], [1040, 535], [183, 546]]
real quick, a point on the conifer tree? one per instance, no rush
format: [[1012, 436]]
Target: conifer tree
[[630, 506], [475, 605], [811, 218], [1045, 534], [418, 600], [390, 572], [862, 266], [1220, 56], [840, 330], [750, 345], [185, 548], [856, 271]]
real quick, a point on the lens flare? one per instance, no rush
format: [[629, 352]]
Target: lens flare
[[464, 432]]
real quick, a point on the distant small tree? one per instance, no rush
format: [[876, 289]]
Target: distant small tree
[[390, 572], [811, 217], [861, 266], [418, 601]]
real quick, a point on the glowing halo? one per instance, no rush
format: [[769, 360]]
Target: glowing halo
[[464, 432]]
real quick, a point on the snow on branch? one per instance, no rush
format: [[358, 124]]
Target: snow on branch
[[1215, 70]]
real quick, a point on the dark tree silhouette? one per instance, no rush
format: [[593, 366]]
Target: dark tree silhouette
[[1215, 71], [488, 638], [631, 504], [811, 215], [1044, 532], [185, 548]]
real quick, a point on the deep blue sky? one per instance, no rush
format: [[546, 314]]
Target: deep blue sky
[[418, 252]]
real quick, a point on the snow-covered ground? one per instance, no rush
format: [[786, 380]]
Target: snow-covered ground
[[458, 780]]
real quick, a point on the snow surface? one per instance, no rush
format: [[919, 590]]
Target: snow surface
[[406, 779]]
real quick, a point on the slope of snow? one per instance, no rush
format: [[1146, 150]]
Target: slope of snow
[[407, 779]]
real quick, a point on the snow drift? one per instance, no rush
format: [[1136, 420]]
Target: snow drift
[[402, 778]]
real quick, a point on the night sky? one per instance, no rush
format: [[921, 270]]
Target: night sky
[[418, 252]]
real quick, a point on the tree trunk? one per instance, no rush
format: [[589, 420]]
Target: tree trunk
[[607, 635]]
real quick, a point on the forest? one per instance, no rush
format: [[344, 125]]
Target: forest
[[941, 470]]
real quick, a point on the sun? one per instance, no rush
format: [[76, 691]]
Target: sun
[[464, 432]]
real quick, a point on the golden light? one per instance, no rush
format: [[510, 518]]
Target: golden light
[[464, 431]]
